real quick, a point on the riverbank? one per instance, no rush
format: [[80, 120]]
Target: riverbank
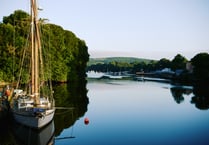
[[185, 79], [4, 83]]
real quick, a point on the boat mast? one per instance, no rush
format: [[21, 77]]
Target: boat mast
[[32, 49], [35, 51]]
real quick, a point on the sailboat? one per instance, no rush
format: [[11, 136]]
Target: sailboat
[[33, 106]]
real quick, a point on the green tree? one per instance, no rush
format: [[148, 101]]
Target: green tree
[[163, 63], [65, 54], [201, 66], [179, 62]]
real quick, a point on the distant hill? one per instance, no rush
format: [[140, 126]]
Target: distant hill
[[107, 60]]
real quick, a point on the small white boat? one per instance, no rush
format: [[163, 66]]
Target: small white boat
[[94, 75]]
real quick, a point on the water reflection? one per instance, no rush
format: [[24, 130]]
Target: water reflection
[[201, 98], [178, 92], [138, 118], [200, 92], [28, 136], [73, 102], [6, 136], [12, 133]]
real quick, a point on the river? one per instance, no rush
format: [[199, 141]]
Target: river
[[125, 112]]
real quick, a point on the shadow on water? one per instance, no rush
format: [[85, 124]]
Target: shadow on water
[[74, 99], [72, 102], [29, 136], [201, 96], [200, 92], [178, 92], [6, 136]]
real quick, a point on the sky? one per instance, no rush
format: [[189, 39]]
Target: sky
[[152, 29]]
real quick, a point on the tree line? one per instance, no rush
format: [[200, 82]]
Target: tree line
[[199, 64], [179, 62], [67, 53]]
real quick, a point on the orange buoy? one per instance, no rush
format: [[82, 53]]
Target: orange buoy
[[86, 121]]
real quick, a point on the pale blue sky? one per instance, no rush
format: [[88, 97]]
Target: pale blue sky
[[138, 28]]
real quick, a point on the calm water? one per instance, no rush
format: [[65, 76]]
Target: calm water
[[133, 113], [127, 113]]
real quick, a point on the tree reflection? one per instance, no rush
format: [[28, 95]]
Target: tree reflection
[[178, 92], [6, 137], [201, 98], [73, 101]]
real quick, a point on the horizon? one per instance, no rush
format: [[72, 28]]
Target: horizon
[[144, 55]]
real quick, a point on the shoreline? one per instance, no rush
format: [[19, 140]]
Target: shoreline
[[4, 83], [7, 83]]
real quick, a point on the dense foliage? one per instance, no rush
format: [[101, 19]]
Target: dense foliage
[[66, 54], [201, 67], [136, 65], [107, 60]]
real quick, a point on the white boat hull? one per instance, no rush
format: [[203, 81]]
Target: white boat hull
[[33, 121]]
